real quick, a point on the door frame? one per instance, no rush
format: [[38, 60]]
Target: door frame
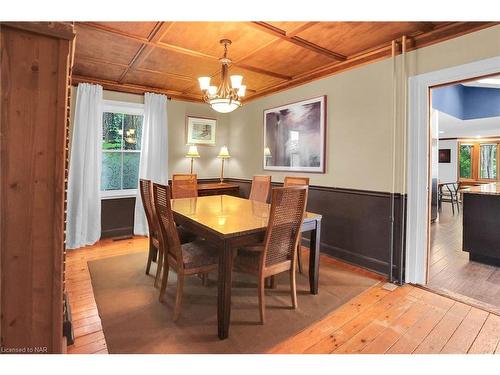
[[417, 218]]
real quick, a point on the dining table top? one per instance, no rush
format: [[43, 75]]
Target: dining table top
[[228, 215]]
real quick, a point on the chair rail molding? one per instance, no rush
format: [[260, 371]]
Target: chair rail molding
[[417, 223]]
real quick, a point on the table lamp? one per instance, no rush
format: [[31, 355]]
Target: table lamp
[[192, 153], [223, 154]]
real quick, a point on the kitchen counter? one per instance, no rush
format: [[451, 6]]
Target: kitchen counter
[[481, 223], [488, 189]]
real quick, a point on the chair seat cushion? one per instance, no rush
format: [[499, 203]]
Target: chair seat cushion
[[199, 253]]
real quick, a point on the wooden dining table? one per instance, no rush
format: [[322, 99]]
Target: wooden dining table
[[229, 223]]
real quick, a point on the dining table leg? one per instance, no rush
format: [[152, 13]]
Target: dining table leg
[[224, 290], [314, 257]]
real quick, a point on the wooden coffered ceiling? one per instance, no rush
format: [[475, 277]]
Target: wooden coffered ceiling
[[168, 57]]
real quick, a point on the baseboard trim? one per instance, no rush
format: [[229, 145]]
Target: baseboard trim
[[117, 232]]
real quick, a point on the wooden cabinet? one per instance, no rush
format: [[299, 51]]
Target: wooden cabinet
[[218, 188], [35, 73]]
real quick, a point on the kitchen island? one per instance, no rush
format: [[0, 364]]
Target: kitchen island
[[481, 223]]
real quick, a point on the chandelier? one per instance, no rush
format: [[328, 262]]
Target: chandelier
[[227, 97]]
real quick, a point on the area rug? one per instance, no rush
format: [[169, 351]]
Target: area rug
[[134, 321]]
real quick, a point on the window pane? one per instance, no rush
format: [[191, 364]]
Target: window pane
[[132, 128], [465, 161], [131, 170], [112, 131], [111, 171], [488, 161]]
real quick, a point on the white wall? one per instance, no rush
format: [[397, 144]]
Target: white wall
[[448, 171]]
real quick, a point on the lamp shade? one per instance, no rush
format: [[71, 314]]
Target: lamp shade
[[204, 82], [192, 152], [236, 81], [223, 153], [267, 152], [242, 90]]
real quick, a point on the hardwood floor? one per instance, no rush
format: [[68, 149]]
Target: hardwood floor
[[452, 273], [406, 320]]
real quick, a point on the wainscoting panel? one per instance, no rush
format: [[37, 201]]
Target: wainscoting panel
[[117, 217]]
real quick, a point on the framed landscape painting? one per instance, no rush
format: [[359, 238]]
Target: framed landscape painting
[[200, 130], [294, 136]]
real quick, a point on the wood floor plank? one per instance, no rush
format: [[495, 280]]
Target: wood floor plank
[[359, 341], [302, 341], [487, 340], [408, 342], [466, 333], [452, 273], [442, 332], [90, 347], [353, 326], [391, 335]]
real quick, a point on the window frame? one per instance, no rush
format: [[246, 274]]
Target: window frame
[[127, 109], [476, 159]]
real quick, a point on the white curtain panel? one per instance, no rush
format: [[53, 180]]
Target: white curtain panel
[[84, 179], [154, 154]]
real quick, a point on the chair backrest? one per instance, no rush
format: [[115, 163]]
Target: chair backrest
[[285, 220], [184, 186], [168, 235], [146, 188], [296, 181], [261, 185]]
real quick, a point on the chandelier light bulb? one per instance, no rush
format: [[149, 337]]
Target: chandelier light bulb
[[236, 81], [242, 90], [204, 83]]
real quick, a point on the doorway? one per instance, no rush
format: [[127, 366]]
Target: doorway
[[465, 145], [418, 225]]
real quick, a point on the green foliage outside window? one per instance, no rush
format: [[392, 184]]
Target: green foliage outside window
[[466, 161], [121, 144]]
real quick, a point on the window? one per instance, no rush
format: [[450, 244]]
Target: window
[[478, 160], [488, 161], [466, 161], [121, 148]]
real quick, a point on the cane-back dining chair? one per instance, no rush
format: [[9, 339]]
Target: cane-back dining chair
[[197, 257], [261, 185], [297, 181], [278, 252], [184, 186], [155, 251]]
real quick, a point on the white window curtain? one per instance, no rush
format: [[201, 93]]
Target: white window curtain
[[84, 179], [154, 154]]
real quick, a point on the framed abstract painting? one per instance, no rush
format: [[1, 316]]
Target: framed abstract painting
[[200, 130], [295, 136]]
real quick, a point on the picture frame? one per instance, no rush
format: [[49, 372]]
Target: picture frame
[[200, 130], [295, 136], [445, 155]]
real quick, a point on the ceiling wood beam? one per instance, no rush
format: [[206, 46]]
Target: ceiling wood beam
[[145, 50], [415, 41], [132, 88], [270, 29], [425, 27], [273, 41], [106, 62], [419, 39], [170, 47]]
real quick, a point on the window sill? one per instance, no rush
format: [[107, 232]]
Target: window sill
[[117, 194]]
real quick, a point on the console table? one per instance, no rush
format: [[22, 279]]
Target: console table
[[218, 188]]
